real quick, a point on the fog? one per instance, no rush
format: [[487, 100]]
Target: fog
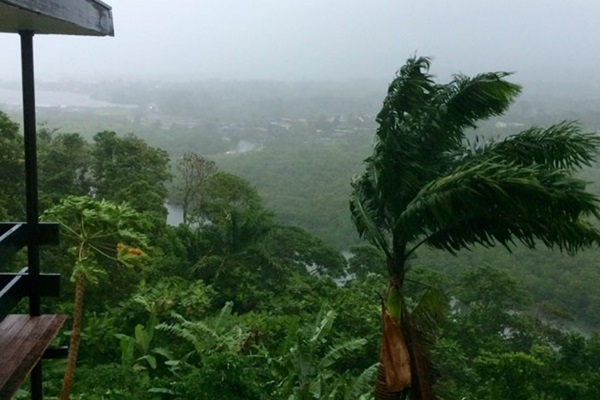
[[322, 40]]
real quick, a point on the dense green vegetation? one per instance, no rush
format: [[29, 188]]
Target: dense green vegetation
[[229, 310], [425, 185]]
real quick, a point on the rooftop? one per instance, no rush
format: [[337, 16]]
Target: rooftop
[[65, 17]]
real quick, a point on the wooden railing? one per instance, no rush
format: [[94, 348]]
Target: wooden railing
[[25, 338]]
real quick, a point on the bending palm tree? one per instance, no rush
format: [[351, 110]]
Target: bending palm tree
[[423, 184]]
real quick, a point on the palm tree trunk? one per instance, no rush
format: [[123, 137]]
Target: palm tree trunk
[[394, 372], [381, 390], [74, 341], [422, 379]]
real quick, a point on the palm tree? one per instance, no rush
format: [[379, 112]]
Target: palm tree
[[425, 184]]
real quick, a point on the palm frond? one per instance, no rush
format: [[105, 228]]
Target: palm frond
[[495, 202], [407, 95], [468, 100], [367, 214], [561, 146], [399, 165], [430, 312]]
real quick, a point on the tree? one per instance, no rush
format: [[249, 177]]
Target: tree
[[194, 171], [64, 166], [128, 169], [12, 165], [365, 259], [226, 193], [234, 263], [95, 230], [424, 184], [303, 251]]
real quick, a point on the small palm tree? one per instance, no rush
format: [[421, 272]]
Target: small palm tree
[[94, 230], [425, 185]]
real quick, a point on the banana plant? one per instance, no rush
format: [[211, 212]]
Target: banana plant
[[135, 350], [305, 369]]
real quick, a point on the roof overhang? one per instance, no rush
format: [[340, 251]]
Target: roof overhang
[[63, 17]]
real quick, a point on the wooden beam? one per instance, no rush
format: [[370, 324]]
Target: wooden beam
[[13, 236], [66, 17], [15, 233], [15, 286]]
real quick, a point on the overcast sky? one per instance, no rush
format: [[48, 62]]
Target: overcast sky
[[323, 39]]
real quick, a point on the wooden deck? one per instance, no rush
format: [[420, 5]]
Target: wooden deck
[[23, 341]]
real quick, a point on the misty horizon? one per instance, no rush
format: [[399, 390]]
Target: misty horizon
[[544, 41]]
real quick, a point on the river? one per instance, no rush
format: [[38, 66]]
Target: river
[[47, 98], [175, 214]]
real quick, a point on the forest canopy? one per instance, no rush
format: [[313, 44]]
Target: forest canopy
[[266, 292]]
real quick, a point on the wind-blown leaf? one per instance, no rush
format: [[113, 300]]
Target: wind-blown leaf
[[560, 146], [366, 216], [477, 98], [496, 202], [430, 312]]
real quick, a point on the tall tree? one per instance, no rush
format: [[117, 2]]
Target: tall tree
[[64, 166], [194, 171], [227, 192], [128, 169], [425, 185]]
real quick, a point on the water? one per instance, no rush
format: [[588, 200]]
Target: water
[[46, 98], [175, 214]]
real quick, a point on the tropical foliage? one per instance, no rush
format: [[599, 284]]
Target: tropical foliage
[[425, 184], [240, 302], [94, 230]]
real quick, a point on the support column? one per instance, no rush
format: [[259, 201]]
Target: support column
[[31, 181], [31, 190]]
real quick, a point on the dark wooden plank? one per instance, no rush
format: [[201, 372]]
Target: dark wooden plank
[[10, 331], [15, 286], [10, 229], [49, 283], [23, 341], [55, 353], [65, 17], [12, 239], [11, 293], [15, 233], [48, 234], [13, 236], [31, 350]]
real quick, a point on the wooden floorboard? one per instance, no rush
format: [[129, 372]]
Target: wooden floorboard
[[23, 340]]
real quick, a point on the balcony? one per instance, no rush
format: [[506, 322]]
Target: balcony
[[25, 338]]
